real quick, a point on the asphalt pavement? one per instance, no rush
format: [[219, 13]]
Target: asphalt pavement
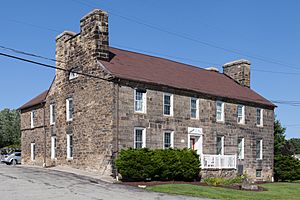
[[32, 183]]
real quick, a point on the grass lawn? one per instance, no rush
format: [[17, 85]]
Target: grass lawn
[[288, 191]]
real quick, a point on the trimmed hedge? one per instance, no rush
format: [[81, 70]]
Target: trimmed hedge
[[160, 164]]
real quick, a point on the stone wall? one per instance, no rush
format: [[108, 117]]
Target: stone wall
[[93, 98], [33, 135], [156, 123]]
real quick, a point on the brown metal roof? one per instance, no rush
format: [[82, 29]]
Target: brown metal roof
[[145, 68], [35, 101]]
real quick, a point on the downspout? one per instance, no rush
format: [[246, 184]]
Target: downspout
[[45, 137]]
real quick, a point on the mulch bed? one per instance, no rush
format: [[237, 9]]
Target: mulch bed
[[153, 183]]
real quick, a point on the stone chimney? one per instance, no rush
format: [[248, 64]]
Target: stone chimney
[[239, 71], [94, 33]]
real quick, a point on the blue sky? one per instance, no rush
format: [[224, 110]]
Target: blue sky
[[264, 32]]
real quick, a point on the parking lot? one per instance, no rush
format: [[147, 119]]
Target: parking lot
[[20, 182]]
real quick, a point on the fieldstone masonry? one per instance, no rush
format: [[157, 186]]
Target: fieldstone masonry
[[239, 71], [104, 118]]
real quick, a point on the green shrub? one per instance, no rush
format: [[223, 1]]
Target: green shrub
[[216, 181], [167, 164], [286, 168]]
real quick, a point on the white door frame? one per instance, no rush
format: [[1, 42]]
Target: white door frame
[[196, 132]]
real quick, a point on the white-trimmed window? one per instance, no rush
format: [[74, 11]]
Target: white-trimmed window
[[258, 173], [140, 101], [168, 139], [194, 108], [69, 146], [72, 75], [259, 116], [52, 114], [220, 111], [241, 114], [69, 109], [241, 148], [32, 118], [259, 149], [53, 147], [32, 148], [168, 104], [139, 138], [220, 145]]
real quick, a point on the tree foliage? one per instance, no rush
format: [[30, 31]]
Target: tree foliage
[[295, 143], [9, 127], [279, 137], [286, 167]]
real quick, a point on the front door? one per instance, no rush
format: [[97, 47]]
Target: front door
[[192, 143], [195, 143]]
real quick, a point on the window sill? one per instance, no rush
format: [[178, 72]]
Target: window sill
[[221, 122], [194, 118], [69, 159], [260, 126], [140, 113], [52, 124]]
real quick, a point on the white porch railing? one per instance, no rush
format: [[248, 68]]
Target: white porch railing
[[218, 161]]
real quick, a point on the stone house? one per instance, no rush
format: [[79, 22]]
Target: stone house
[[104, 99]]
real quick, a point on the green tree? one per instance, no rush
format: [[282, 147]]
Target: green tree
[[295, 142], [279, 137], [286, 167], [9, 127]]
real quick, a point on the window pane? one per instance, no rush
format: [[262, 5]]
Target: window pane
[[258, 173], [193, 103], [167, 110], [70, 108], [167, 142], [138, 138], [167, 99], [139, 100], [138, 105], [193, 113], [258, 111], [240, 148], [53, 113], [193, 108], [219, 145], [258, 149], [219, 111]]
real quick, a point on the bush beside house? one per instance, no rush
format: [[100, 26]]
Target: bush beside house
[[160, 164]]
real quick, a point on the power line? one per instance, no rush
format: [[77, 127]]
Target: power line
[[286, 102], [50, 66], [184, 36], [276, 72], [32, 25], [26, 53], [178, 35], [140, 50]]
